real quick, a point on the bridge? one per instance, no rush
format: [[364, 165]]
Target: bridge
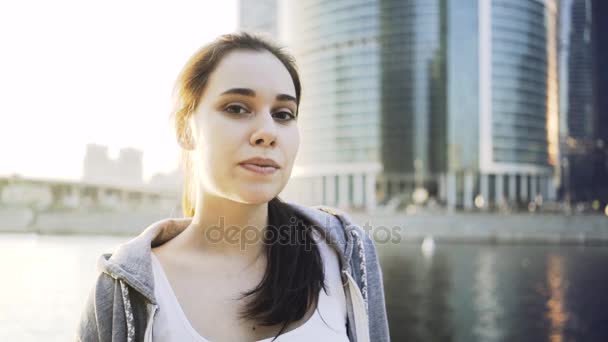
[[55, 206]]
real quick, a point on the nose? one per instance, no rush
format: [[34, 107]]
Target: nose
[[265, 133]]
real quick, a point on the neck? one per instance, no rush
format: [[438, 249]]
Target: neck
[[223, 226]]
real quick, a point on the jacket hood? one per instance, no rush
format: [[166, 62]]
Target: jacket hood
[[131, 261]]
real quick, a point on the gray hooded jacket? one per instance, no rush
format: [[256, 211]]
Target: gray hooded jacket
[[121, 305]]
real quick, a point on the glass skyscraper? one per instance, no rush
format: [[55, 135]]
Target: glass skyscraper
[[584, 124], [455, 97], [578, 126], [338, 51], [519, 101]]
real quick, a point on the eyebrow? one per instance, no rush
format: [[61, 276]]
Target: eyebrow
[[251, 93]]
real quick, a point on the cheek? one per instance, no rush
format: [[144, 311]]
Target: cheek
[[296, 139], [218, 136], [292, 143], [216, 143]]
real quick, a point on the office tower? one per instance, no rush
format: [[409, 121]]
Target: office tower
[[458, 98], [577, 91], [584, 108], [600, 36]]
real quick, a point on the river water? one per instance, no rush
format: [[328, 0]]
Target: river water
[[456, 292], [463, 292]]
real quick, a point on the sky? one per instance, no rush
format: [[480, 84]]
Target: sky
[[77, 72]]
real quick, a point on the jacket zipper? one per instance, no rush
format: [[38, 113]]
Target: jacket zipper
[[356, 295], [361, 321], [148, 332]]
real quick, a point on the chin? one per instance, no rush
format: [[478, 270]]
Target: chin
[[256, 197]]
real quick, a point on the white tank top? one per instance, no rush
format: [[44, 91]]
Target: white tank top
[[328, 323]]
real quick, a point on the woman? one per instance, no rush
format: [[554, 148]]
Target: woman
[[243, 265]]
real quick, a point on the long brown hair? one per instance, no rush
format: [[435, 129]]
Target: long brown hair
[[294, 273]]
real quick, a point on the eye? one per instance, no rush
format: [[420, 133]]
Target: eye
[[235, 109], [284, 115]]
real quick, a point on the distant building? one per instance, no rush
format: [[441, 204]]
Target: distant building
[[98, 168], [456, 97], [584, 130], [170, 182], [96, 164], [129, 166], [259, 16], [577, 92], [600, 31]]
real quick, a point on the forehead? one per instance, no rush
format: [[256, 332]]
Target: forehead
[[260, 71]]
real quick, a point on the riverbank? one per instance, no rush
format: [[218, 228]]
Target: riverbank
[[123, 223], [488, 228], [384, 228]]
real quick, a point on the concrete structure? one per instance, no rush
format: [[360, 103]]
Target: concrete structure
[[126, 170], [172, 181], [50, 194], [63, 206]]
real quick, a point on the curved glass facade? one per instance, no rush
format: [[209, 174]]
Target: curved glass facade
[[374, 82], [453, 96], [519, 82], [463, 85], [413, 95], [337, 49]]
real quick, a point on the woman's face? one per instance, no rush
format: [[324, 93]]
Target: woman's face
[[247, 110]]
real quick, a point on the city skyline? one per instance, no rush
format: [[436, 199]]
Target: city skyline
[[42, 130]]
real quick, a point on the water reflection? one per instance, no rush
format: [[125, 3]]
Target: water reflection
[[496, 292], [422, 284], [404, 297], [46, 280], [486, 301], [435, 294], [458, 293], [556, 311]]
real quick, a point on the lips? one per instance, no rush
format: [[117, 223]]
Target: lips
[[264, 170], [261, 162], [262, 166]]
